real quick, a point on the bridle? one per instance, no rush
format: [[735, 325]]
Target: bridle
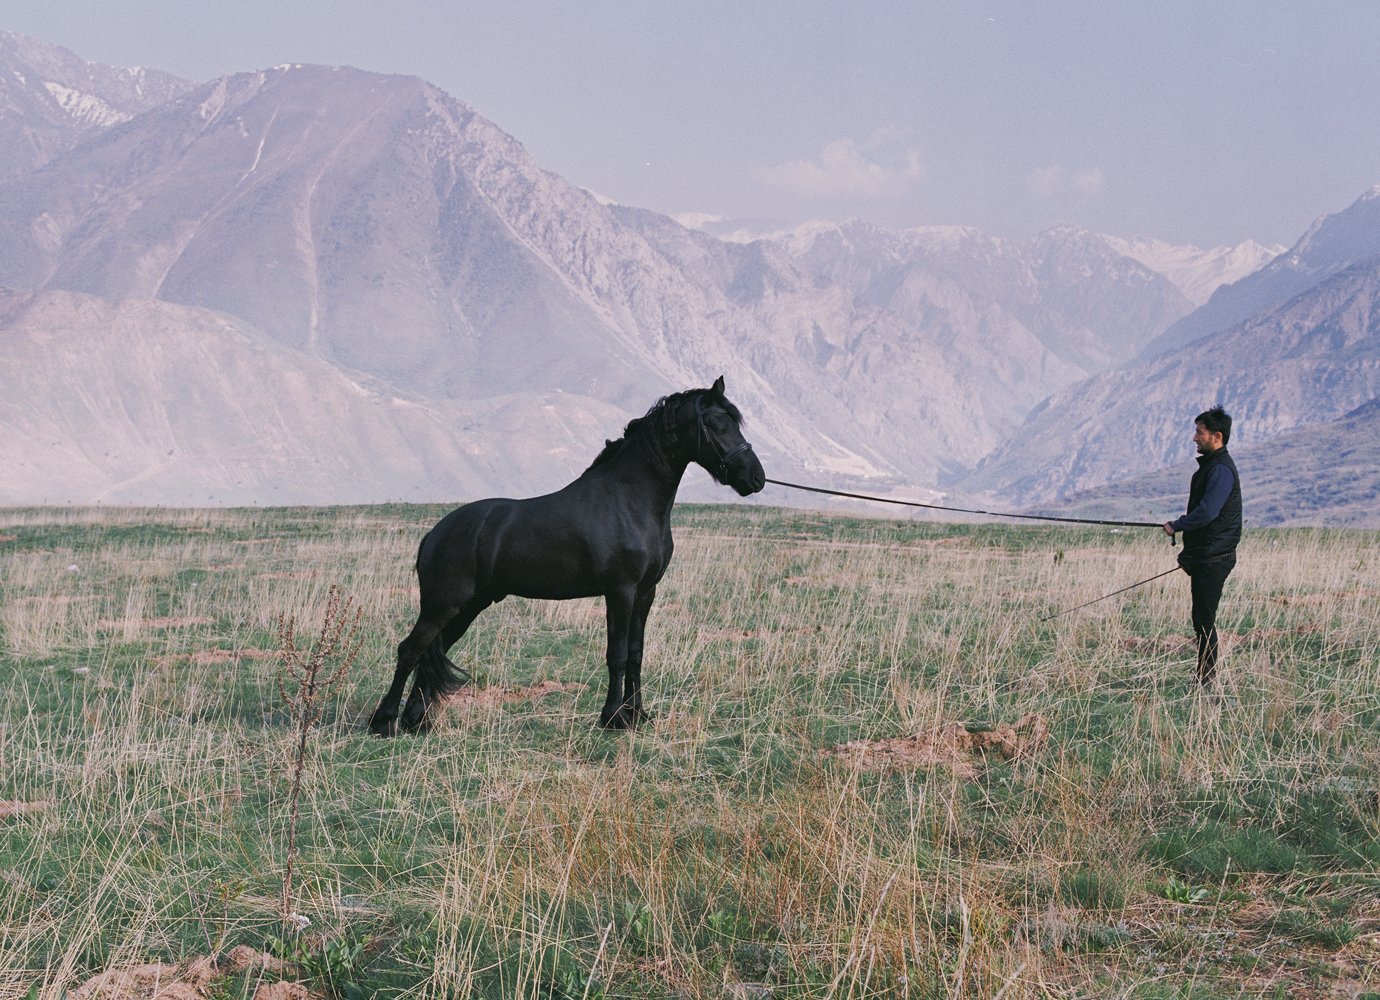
[[702, 437]]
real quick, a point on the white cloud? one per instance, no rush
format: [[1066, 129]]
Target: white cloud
[[881, 166], [1055, 181], [1090, 181]]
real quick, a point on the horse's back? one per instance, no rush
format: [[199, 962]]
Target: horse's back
[[560, 545]]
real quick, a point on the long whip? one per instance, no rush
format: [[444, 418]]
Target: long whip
[[1112, 594]]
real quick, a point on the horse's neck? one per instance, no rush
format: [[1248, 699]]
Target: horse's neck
[[641, 473]]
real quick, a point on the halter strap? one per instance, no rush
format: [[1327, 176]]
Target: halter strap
[[702, 437]]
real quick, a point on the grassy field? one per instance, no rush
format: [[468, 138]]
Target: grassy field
[[1143, 839]]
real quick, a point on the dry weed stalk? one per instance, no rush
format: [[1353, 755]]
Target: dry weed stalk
[[339, 640]]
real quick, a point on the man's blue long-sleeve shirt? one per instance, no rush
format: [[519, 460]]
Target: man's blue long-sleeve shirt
[[1219, 484]]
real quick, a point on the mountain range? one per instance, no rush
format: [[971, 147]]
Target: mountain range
[[317, 284]]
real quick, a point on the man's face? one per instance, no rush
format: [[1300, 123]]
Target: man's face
[[1206, 440]]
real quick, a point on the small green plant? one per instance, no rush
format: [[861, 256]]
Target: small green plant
[[1216, 851], [1178, 891], [568, 980], [311, 670], [335, 964], [637, 926], [724, 924], [1105, 937]]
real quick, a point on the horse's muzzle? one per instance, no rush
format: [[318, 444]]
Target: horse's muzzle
[[746, 475]]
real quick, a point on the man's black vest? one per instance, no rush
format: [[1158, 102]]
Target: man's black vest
[[1219, 536]]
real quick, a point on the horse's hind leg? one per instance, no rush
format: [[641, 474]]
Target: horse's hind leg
[[436, 674], [383, 721]]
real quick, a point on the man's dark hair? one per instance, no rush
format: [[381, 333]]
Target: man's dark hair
[[1217, 421]]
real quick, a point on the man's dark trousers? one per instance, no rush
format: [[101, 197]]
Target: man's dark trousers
[[1206, 582]]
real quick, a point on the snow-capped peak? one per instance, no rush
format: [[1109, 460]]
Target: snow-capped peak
[[1197, 272]]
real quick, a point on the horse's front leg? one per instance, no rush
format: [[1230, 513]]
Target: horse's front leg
[[619, 613], [632, 678]]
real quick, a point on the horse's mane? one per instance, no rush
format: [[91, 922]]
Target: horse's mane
[[647, 424]]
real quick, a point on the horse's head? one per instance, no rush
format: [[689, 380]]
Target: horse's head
[[718, 443]]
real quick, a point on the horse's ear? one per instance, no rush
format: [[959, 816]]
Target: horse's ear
[[718, 387]]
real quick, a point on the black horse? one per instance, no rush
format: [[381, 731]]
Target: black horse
[[608, 532]]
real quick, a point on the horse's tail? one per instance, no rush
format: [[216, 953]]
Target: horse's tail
[[437, 674]]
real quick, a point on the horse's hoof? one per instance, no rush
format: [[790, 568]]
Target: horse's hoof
[[618, 720], [383, 724], [419, 728]]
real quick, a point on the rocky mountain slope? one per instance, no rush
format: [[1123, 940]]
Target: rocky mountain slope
[[1323, 474], [376, 226], [1309, 361], [145, 401], [1031, 316]]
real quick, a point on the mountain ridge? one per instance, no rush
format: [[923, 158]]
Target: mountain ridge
[[1332, 243], [53, 99]]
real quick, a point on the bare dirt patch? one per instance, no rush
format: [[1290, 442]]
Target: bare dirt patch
[[11, 808], [1327, 597], [953, 746], [185, 621], [494, 695], [191, 980], [283, 991], [215, 657], [1179, 645]]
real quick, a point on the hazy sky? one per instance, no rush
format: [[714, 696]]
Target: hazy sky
[[1205, 122]]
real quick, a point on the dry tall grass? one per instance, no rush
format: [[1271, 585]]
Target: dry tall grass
[[517, 851]]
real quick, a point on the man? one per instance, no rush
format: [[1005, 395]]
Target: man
[[1212, 529]]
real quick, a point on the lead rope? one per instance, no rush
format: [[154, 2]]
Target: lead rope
[[968, 510]]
